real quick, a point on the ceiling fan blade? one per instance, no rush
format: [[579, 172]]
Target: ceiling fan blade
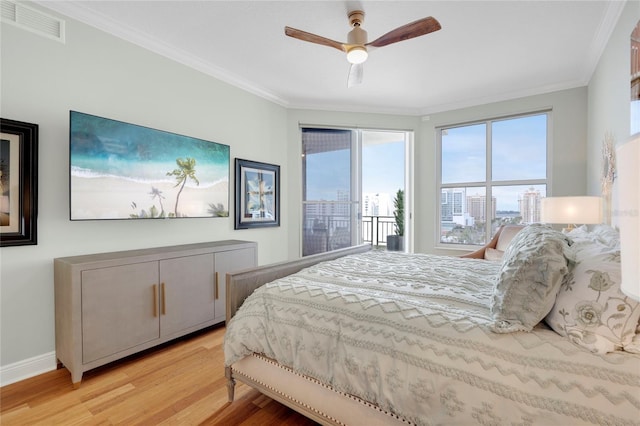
[[408, 31], [313, 38], [355, 75]]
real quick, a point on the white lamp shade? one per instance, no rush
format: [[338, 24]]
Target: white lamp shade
[[571, 210], [628, 159]]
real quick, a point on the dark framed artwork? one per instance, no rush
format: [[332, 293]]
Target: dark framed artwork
[[18, 183], [126, 171], [257, 194]]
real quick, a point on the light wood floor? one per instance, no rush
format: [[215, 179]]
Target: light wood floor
[[181, 383]]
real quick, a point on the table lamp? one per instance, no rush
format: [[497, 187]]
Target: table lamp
[[573, 211]]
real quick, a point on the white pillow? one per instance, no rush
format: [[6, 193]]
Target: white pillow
[[493, 254], [581, 233], [506, 235], [607, 235], [590, 309]]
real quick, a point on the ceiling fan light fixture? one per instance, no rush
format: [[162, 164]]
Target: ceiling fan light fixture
[[357, 54], [356, 45]]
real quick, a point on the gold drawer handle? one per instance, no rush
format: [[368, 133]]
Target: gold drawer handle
[[216, 287], [155, 300], [164, 301]]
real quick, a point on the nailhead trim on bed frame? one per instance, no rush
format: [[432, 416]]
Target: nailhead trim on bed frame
[[311, 379]]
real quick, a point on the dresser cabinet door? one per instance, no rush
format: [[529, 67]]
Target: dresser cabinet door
[[187, 292], [119, 309], [230, 261]]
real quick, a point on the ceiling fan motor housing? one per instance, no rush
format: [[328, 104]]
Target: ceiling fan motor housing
[[356, 39], [356, 17], [357, 36]]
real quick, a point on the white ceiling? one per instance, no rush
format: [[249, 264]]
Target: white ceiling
[[486, 51]]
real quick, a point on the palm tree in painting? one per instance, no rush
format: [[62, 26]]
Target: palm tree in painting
[[217, 210], [186, 170], [156, 193]]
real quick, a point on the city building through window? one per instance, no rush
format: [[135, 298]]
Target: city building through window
[[490, 173]]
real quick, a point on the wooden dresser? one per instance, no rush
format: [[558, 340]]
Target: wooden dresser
[[111, 305]]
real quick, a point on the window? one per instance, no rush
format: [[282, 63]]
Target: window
[[491, 173]]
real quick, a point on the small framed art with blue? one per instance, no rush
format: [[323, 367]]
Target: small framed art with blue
[[257, 194]]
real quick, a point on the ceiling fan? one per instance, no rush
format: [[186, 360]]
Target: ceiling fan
[[357, 46]]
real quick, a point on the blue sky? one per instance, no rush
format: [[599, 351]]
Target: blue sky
[[328, 172], [518, 153], [383, 167]]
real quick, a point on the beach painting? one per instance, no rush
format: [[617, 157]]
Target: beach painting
[[125, 171]]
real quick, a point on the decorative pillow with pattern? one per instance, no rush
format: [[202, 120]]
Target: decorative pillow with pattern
[[590, 308], [533, 267], [634, 346]]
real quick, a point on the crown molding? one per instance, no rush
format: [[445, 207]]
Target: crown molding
[[77, 11], [602, 35], [81, 13], [502, 97]]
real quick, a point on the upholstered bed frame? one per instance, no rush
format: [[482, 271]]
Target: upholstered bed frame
[[301, 393], [415, 334], [311, 398]]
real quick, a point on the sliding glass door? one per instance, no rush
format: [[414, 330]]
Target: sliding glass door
[[346, 202], [331, 189]]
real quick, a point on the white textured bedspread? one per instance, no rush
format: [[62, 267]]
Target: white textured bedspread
[[411, 334]]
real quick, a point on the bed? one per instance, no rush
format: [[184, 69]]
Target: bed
[[360, 336]]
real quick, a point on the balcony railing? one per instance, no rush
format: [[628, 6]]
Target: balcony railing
[[325, 233], [375, 229]]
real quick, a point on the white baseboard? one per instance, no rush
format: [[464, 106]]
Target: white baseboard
[[27, 368]]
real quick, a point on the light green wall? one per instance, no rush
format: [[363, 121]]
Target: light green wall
[[609, 96], [99, 74], [41, 80]]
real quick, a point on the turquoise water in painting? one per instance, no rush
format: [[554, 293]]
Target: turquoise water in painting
[[100, 147]]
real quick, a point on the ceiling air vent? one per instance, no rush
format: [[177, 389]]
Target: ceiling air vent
[[32, 20]]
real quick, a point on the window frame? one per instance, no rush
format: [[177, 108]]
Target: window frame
[[488, 183], [358, 143]]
